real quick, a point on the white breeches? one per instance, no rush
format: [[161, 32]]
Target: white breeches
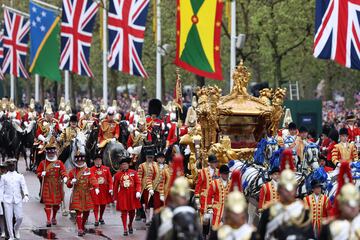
[[12, 209]]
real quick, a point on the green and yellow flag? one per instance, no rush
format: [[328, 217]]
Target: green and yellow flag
[[198, 36]]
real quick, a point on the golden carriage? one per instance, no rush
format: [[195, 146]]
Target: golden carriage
[[230, 126]]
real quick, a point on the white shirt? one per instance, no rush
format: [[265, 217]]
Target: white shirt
[[212, 171], [12, 186]]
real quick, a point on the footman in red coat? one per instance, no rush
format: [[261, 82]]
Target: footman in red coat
[[83, 182], [104, 179], [127, 188]]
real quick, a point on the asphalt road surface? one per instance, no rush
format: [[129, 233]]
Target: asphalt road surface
[[34, 222]]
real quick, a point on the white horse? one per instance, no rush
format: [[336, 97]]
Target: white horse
[[77, 146], [311, 158], [252, 178]]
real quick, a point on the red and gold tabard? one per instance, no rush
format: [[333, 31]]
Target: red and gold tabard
[[217, 194], [52, 193], [268, 195], [202, 186], [319, 209], [81, 198], [159, 182], [126, 185], [108, 130], [104, 179], [344, 152]]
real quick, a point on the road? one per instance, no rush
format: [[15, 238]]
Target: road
[[34, 222]]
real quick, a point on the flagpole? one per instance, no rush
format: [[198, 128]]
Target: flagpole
[[37, 87], [47, 5], [233, 42], [67, 81], [158, 49], [105, 77], [15, 11], [12, 87]]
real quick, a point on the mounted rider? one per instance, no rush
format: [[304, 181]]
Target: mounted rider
[[87, 121], [176, 128], [269, 191], [59, 114], [288, 218], [344, 151], [346, 222], [109, 129], [48, 127], [138, 137], [31, 114], [353, 131], [69, 133], [154, 111], [130, 116]]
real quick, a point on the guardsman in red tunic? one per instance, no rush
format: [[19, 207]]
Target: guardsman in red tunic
[[353, 131], [344, 151], [205, 177], [52, 174], [104, 179], [159, 181], [176, 131], [217, 194], [334, 139], [127, 194], [109, 128], [83, 182], [146, 175], [268, 191], [154, 111], [319, 206]]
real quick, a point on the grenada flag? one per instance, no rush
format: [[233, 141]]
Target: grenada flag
[[198, 37]]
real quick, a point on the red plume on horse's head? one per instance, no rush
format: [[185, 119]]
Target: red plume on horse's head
[[177, 167], [236, 180], [344, 173], [287, 160]]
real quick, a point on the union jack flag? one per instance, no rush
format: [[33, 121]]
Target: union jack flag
[[126, 25], [1, 55], [337, 35], [78, 17], [15, 40]]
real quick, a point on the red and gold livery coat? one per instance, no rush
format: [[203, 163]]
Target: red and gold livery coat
[[126, 185], [52, 192], [81, 198], [105, 181], [202, 186], [344, 152], [319, 209], [44, 126], [268, 195], [216, 200], [159, 181]]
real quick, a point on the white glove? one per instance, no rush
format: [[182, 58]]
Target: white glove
[[138, 195], [151, 192], [74, 180], [26, 199], [210, 211], [111, 192], [197, 203], [162, 198], [97, 191], [43, 173], [113, 139], [65, 179], [187, 150], [41, 138]]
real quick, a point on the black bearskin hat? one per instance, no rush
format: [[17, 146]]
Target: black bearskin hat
[[155, 107]]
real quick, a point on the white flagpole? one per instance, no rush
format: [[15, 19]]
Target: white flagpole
[[233, 42], [67, 83], [37, 86], [105, 76], [158, 55], [47, 5], [12, 87]]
